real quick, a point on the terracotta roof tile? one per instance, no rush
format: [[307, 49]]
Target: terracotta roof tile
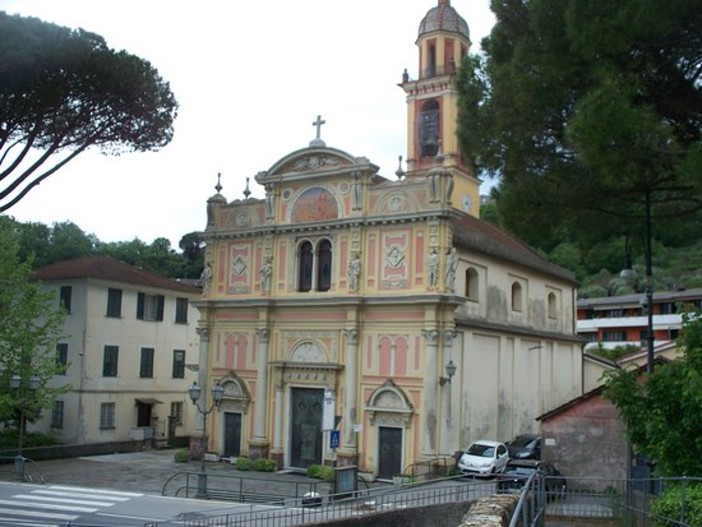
[[482, 236], [109, 269]]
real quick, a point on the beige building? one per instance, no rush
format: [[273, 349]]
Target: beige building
[[130, 347], [384, 307]]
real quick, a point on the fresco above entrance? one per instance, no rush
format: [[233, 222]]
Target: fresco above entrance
[[314, 204]]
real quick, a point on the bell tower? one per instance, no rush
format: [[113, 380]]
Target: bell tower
[[432, 104]]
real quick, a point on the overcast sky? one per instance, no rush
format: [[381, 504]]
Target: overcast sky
[[250, 78]]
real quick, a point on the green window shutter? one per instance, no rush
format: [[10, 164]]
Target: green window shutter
[[159, 308], [140, 306]]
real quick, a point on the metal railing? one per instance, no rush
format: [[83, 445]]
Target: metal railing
[[29, 473], [428, 470], [331, 507], [624, 503], [243, 489]]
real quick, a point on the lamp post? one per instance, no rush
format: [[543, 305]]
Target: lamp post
[[649, 288], [195, 391], [19, 386], [450, 372]]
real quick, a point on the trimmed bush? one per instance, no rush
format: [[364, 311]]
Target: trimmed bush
[[265, 465], [10, 437], [320, 472], [668, 505], [244, 463], [182, 455]]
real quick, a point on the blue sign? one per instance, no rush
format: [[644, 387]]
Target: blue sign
[[334, 439]]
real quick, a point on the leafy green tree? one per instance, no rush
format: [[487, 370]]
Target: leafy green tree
[[193, 248], [63, 91], [589, 112], [158, 258], [34, 242], [68, 241], [662, 412], [30, 327]]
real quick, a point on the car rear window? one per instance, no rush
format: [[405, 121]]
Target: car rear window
[[519, 471], [522, 441], [481, 450]]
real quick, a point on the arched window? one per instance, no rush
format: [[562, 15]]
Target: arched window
[[324, 265], [472, 292], [552, 305], [429, 128], [314, 266], [516, 296], [304, 282], [431, 60]]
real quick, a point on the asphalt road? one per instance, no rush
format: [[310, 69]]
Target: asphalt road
[[126, 490]]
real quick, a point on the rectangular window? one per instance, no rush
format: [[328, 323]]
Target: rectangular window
[[107, 415], [181, 316], [615, 313], [57, 415], [177, 412], [114, 303], [178, 364], [150, 307], [668, 308], [109, 362], [65, 297], [590, 336], [614, 336], [147, 363], [62, 357]]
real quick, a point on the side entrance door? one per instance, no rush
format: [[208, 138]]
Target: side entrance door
[[232, 434], [306, 427], [389, 452]]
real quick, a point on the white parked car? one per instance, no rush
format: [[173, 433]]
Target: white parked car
[[484, 458]]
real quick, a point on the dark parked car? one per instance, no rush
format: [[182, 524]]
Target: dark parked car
[[517, 473], [524, 446]]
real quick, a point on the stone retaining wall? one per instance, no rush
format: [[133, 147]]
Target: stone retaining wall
[[491, 511]]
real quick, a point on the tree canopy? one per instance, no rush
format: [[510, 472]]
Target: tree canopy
[[662, 412], [31, 327], [585, 110], [43, 245], [63, 91]]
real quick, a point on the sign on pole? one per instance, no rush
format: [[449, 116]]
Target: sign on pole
[[334, 438], [328, 410]]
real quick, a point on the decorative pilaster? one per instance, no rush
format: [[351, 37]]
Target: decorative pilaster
[[351, 382], [261, 385], [446, 431], [203, 368], [277, 452], [429, 408]]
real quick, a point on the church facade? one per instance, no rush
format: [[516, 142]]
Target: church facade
[[386, 304]]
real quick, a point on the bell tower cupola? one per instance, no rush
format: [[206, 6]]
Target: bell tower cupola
[[432, 103]]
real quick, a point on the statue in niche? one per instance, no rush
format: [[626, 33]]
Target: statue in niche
[[266, 273], [270, 201], [354, 272], [356, 194], [451, 266], [206, 278], [433, 265]]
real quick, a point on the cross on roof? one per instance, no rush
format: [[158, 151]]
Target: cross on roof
[[318, 123]]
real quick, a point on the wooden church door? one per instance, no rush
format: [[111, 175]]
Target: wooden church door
[[306, 428]]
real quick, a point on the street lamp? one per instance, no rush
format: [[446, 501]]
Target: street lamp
[[450, 371], [17, 384], [649, 288], [195, 391]]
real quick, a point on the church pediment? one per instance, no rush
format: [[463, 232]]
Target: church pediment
[[313, 162]]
